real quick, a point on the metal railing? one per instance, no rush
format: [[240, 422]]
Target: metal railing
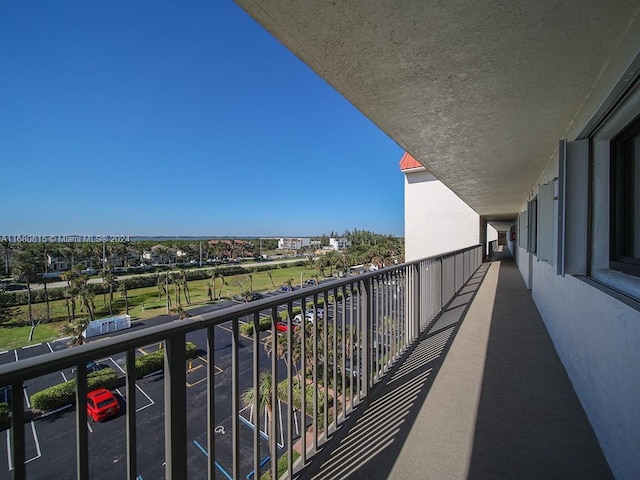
[[318, 369]]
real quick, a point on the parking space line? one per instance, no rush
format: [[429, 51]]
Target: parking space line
[[15, 354], [9, 451], [37, 444], [151, 402], [263, 433], [64, 377], [203, 450], [89, 427], [144, 352], [34, 345], [192, 369], [26, 397]]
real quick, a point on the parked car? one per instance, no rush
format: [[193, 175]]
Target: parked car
[[14, 286], [319, 312], [282, 326], [310, 315], [91, 366], [310, 281], [102, 404], [285, 288], [253, 296]]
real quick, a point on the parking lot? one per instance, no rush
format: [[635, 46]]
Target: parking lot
[[50, 447]]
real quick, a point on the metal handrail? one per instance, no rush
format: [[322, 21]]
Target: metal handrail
[[398, 302]]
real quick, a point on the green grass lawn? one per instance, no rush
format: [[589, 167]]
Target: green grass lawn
[[16, 337], [143, 303]]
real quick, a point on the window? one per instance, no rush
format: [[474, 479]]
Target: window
[[614, 224], [625, 198], [533, 225]]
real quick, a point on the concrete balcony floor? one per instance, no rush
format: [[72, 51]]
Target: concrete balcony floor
[[481, 395]]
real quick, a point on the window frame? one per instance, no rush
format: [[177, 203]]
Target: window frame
[[599, 258], [623, 160]]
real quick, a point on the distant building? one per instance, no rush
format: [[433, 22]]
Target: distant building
[[339, 244], [160, 254], [55, 264], [291, 243]]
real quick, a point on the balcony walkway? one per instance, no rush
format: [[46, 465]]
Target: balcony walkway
[[482, 395]]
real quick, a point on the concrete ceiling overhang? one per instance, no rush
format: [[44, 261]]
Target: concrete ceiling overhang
[[478, 91]]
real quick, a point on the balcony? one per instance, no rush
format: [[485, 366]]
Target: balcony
[[440, 367]]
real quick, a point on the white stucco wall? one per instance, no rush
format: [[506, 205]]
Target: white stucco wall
[[598, 340], [436, 220]]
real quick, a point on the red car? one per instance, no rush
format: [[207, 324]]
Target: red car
[[101, 404], [282, 326]]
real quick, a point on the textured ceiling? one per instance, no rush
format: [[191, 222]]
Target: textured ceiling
[[478, 91]]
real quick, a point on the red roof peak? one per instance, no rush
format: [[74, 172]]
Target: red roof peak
[[408, 163]]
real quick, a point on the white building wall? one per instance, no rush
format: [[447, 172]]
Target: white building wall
[[436, 220]]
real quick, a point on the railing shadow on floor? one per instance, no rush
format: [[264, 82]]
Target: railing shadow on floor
[[367, 444]]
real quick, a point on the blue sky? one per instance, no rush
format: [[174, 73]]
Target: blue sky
[[178, 118]]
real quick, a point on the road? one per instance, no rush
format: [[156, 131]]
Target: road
[[62, 284]]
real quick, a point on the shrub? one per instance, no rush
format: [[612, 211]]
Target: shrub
[[263, 325], [246, 329], [150, 363], [154, 362], [65, 393]]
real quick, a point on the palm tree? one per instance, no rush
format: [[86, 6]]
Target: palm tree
[[271, 278], [110, 280], [185, 287], [159, 284], [180, 311], [87, 296], [25, 268], [123, 293], [265, 404], [166, 289], [176, 283], [280, 350], [6, 246], [74, 281], [75, 330], [221, 285]]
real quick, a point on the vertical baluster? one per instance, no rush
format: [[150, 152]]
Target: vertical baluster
[[367, 343], [303, 387], [290, 408], [82, 433], [17, 430], [132, 440], [256, 395], [211, 397], [343, 329], [315, 379], [175, 407], [273, 452], [235, 397], [325, 369]]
